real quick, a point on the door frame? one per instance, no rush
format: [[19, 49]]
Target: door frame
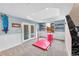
[[34, 31], [29, 28], [23, 32]]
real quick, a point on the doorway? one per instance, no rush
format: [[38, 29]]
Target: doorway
[[25, 32], [32, 31], [28, 32]]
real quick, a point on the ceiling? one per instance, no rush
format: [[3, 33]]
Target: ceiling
[[36, 11], [74, 13]]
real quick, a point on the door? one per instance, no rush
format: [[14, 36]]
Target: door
[[25, 32], [32, 31]]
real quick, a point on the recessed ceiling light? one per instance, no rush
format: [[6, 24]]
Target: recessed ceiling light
[[47, 8]]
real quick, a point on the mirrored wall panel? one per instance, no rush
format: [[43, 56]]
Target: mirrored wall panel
[[42, 26], [60, 26]]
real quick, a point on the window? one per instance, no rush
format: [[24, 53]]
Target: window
[[60, 25]]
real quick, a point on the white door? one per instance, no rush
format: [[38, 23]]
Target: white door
[[25, 32], [32, 31]]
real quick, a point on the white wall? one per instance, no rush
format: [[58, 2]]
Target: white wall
[[14, 35], [9, 40], [67, 39]]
